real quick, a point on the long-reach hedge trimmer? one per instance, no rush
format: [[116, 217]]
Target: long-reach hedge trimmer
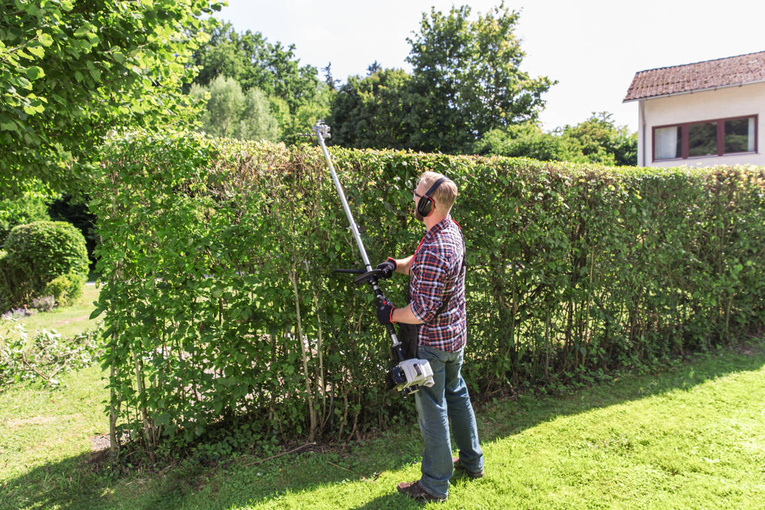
[[407, 375]]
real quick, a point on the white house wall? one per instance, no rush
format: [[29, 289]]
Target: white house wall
[[699, 106]]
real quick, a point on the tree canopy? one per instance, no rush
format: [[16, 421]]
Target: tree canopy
[[466, 80], [72, 70], [232, 113], [252, 61], [296, 95], [595, 140]]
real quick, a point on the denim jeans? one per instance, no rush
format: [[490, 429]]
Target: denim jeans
[[446, 400]]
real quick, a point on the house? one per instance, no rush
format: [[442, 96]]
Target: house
[[703, 114]]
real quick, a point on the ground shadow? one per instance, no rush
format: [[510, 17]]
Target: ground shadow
[[81, 482]]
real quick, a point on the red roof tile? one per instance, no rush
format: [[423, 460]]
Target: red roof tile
[[711, 74]]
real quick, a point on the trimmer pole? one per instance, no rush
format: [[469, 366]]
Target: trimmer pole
[[322, 132]]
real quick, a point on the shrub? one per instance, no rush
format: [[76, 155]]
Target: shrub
[[65, 289], [31, 206], [38, 253], [222, 304]]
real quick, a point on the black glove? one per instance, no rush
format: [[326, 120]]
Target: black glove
[[384, 313], [387, 268]]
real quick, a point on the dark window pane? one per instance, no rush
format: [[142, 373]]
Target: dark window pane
[[702, 139], [738, 137]]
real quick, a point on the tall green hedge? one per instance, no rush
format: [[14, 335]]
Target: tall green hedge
[[217, 261]]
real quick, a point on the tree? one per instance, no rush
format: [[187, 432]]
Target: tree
[[468, 74], [374, 112], [296, 95], [70, 71], [330, 80], [252, 61], [525, 140], [231, 113], [599, 140], [596, 140]]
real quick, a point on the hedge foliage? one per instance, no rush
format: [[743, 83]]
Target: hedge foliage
[[222, 305], [37, 254]]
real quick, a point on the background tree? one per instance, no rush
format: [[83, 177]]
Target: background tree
[[375, 111], [296, 94], [526, 140], [468, 74], [601, 141], [231, 113], [70, 71], [466, 81], [596, 140]]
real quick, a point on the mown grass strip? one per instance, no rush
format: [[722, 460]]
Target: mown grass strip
[[692, 436]]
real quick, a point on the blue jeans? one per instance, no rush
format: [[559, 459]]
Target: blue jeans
[[446, 400]]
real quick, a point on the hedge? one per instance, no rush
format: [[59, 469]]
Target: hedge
[[222, 305], [38, 253]]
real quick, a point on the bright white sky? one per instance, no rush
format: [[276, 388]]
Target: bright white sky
[[592, 47]]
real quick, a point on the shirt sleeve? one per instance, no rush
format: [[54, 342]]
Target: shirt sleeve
[[427, 293]]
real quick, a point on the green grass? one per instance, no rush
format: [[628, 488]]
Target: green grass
[[691, 437], [68, 321]]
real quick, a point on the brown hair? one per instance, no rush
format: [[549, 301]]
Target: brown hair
[[445, 194]]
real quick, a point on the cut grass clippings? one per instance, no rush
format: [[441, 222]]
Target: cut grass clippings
[[691, 437]]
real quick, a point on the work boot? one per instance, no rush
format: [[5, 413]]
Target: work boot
[[415, 491], [458, 466]]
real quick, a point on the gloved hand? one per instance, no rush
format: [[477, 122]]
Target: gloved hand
[[385, 312], [387, 268]]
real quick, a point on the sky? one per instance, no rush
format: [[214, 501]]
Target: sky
[[593, 48]]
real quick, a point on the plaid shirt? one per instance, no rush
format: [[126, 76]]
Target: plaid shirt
[[436, 276]]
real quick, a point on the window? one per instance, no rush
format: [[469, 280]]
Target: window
[[708, 138]]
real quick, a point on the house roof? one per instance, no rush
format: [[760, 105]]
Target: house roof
[[708, 75]]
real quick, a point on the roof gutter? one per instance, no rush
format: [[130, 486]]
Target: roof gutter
[[693, 91]]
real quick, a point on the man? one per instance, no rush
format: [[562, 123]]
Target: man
[[437, 305]]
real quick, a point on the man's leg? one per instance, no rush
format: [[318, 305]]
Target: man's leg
[[437, 465], [461, 414]]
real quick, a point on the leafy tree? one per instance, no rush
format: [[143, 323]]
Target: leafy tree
[[599, 140], [524, 140], [72, 70], [252, 61], [231, 113], [596, 140], [468, 74], [330, 80], [374, 112], [30, 205], [296, 95], [373, 68]]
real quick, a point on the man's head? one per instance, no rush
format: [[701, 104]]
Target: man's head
[[442, 197]]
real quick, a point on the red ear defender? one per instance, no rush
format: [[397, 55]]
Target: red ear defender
[[426, 204]]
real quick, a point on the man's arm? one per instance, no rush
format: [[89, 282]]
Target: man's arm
[[405, 315], [403, 265]]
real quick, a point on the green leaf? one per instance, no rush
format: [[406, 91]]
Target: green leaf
[[84, 30], [35, 72], [46, 39], [37, 51], [97, 312]]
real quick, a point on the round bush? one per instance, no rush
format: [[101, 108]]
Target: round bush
[[42, 251], [65, 289]]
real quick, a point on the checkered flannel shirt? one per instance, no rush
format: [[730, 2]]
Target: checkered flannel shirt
[[437, 276]]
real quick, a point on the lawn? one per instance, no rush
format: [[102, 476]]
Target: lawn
[[68, 321], [690, 436]]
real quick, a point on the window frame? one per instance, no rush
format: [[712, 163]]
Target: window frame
[[720, 139]]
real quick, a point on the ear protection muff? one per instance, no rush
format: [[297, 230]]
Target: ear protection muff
[[426, 204]]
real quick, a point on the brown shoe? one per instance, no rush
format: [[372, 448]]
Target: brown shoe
[[415, 491], [458, 466]]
